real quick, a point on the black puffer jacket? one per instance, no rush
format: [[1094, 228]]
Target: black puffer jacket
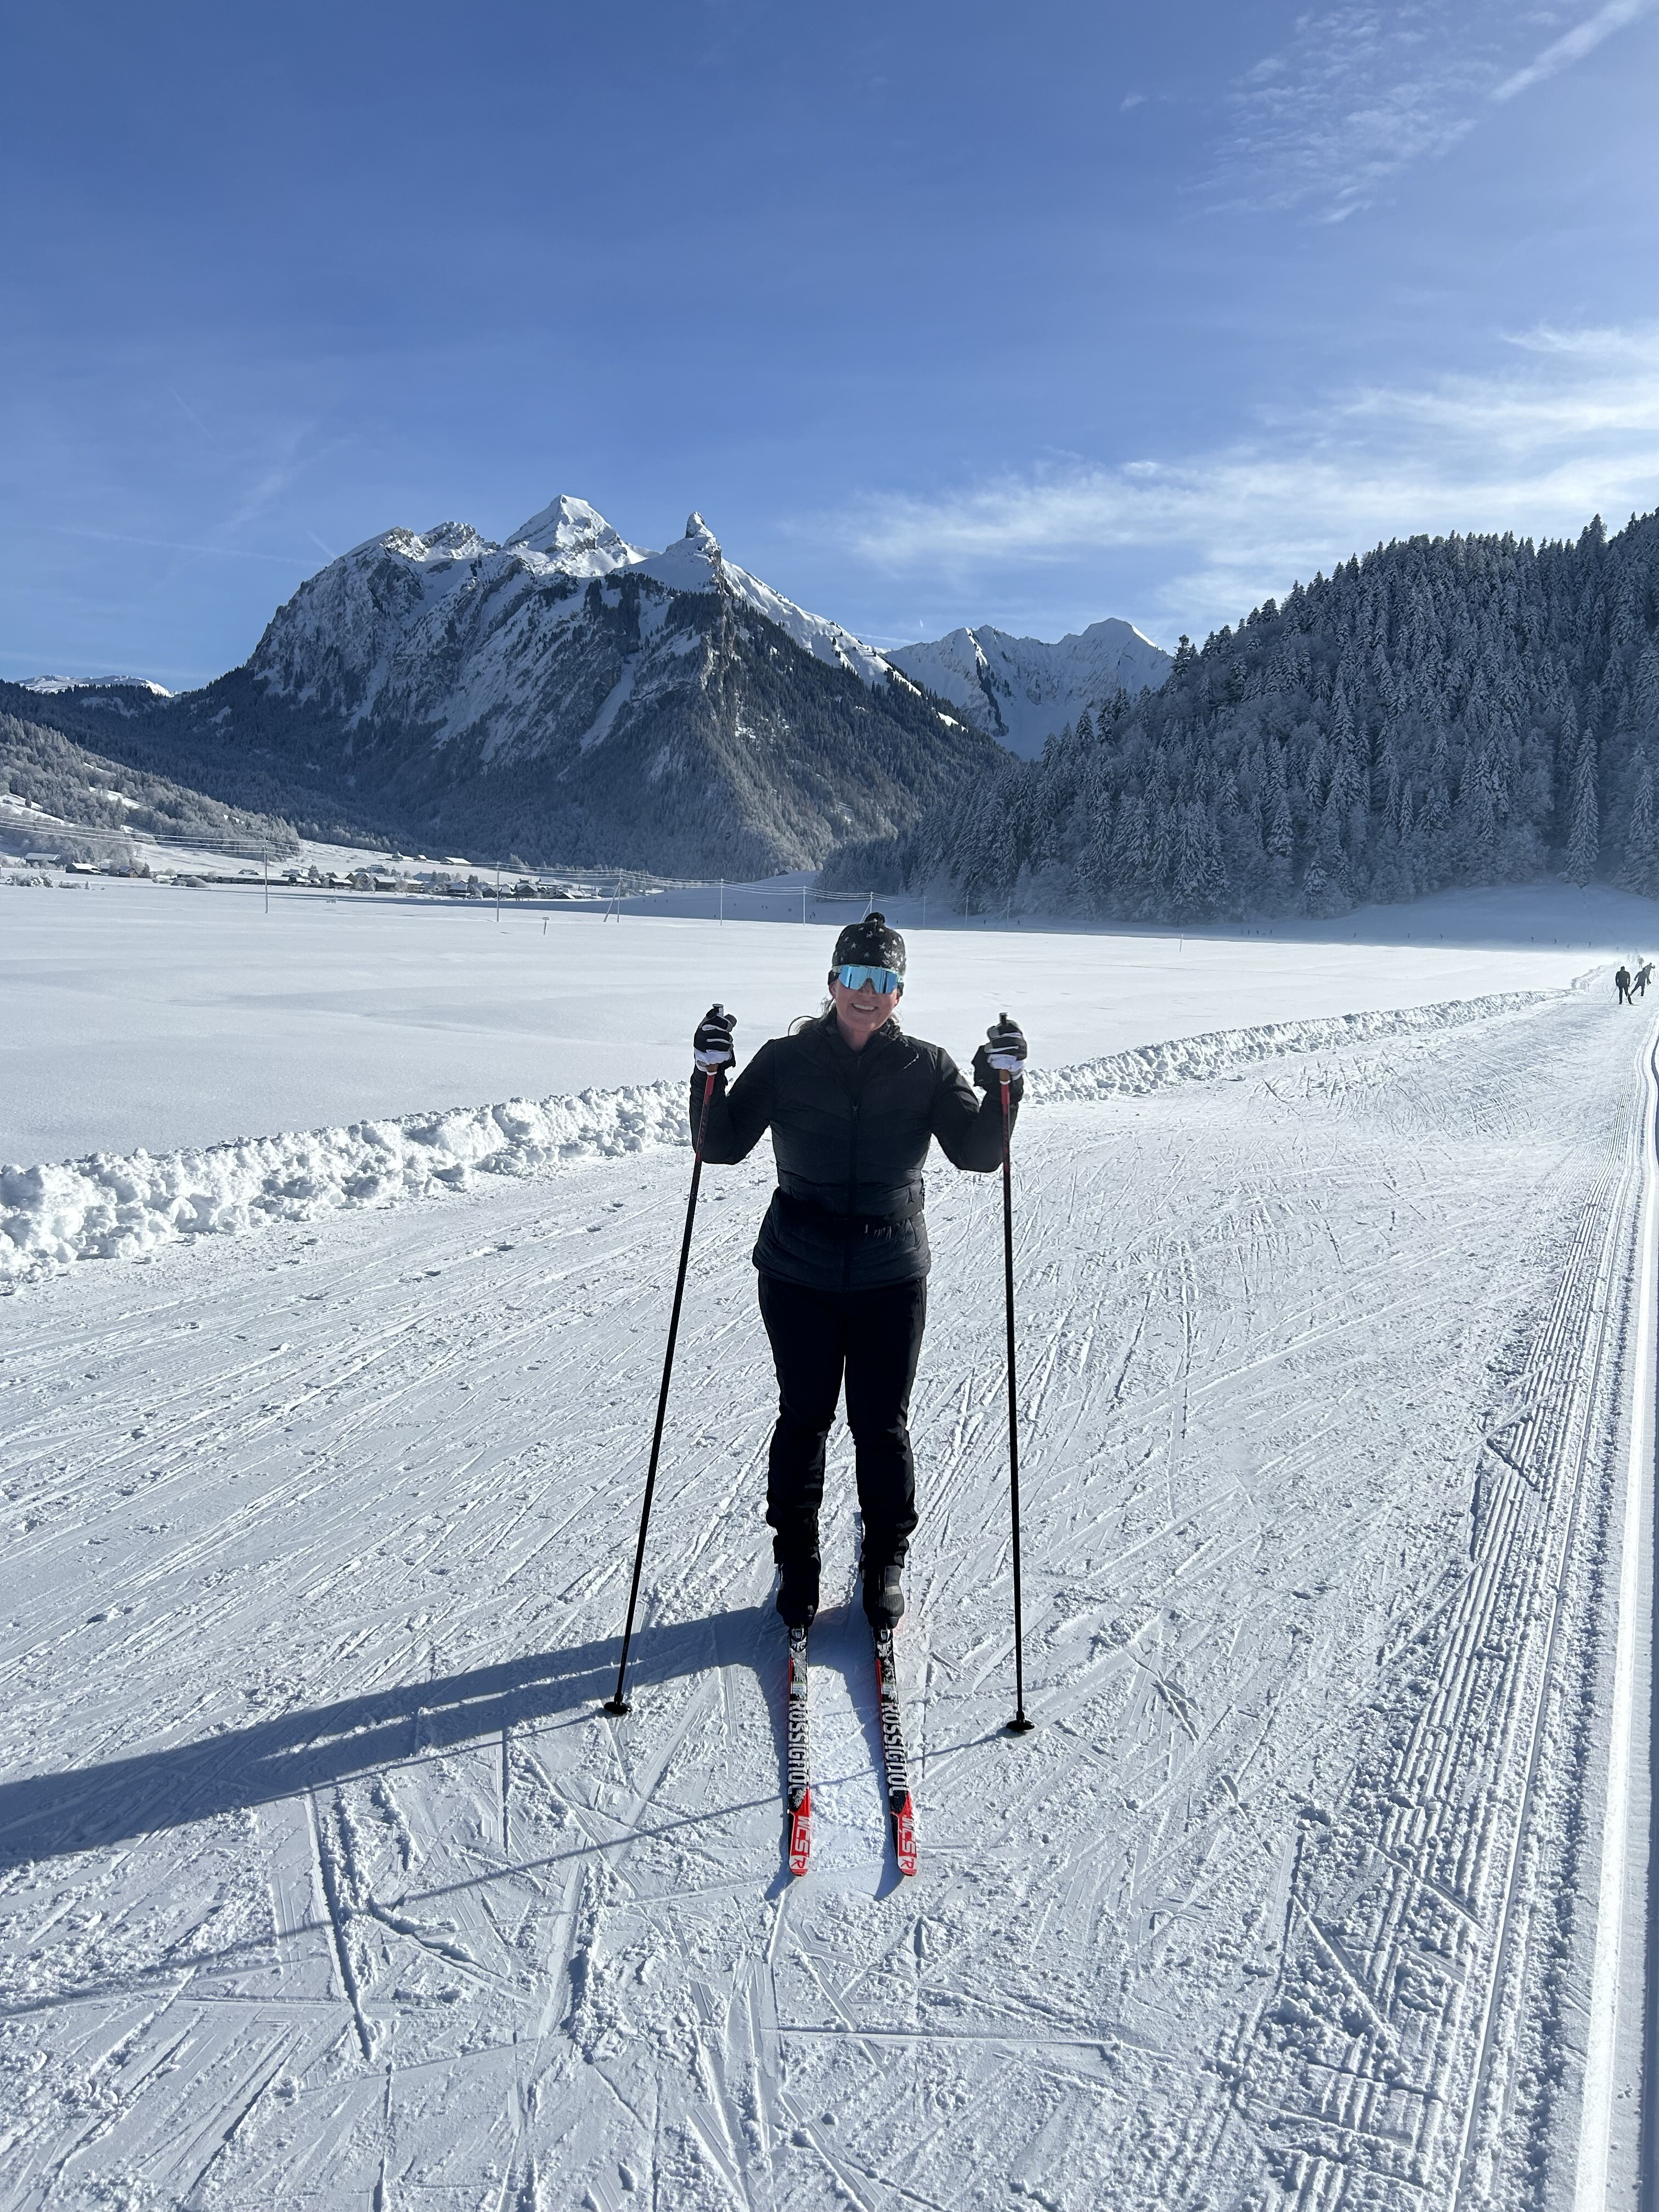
[[850, 1131]]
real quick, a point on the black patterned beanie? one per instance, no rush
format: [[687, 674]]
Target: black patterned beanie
[[869, 944]]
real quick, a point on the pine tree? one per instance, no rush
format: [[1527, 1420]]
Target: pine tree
[[1639, 871], [1584, 831]]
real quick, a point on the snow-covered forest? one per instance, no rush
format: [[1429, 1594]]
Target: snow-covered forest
[[46, 773], [1441, 711]]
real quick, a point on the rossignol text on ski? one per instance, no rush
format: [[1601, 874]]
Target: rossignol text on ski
[[798, 1806], [901, 1809]]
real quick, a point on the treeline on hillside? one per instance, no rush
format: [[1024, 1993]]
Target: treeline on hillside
[[1442, 711], [49, 770], [159, 742]]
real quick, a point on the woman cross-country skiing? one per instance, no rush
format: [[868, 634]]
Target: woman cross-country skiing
[[853, 1105]]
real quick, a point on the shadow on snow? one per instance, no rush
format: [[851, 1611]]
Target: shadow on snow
[[46, 1816]]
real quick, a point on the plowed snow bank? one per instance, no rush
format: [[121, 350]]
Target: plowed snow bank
[[1191, 1060], [110, 1207]]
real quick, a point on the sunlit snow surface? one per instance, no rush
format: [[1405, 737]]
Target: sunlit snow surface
[[138, 1014], [325, 1881]]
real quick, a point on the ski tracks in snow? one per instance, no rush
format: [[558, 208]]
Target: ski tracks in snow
[[324, 1879], [1420, 2029]]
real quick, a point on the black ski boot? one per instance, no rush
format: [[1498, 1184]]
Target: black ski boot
[[883, 1595], [797, 1590]]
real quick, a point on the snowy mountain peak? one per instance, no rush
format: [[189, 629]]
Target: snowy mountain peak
[[691, 563], [442, 543], [389, 619], [49, 686], [453, 541], [576, 538], [1024, 690]]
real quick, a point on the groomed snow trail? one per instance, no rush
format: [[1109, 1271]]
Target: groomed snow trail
[[1622, 1972], [325, 1881]]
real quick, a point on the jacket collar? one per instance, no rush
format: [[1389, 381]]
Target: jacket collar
[[825, 1039]]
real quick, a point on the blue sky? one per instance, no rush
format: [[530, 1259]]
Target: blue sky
[[939, 314]]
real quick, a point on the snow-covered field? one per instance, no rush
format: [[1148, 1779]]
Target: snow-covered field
[[324, 1880], [155, 1016]]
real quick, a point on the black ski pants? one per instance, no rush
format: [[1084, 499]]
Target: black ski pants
[[871, 1339]]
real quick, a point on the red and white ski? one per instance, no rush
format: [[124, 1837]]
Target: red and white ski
[[900, 1806], [800, 1785]]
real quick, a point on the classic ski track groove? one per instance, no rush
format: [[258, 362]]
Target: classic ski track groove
[[1202, 1979], [1458, 1842]]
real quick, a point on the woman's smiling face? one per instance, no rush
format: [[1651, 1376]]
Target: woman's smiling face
[[860, 1012]]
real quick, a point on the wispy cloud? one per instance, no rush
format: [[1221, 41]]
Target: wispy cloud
[[1582, 39], [177, 545], [1568, 426], [193, 416], [1360, 92]]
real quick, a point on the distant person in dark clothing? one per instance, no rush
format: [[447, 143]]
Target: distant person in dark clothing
[[1642, 974], [1622, 979], [854, 1105]]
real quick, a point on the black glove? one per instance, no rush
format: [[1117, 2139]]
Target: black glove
[[712, 1043], [1003, 1052]]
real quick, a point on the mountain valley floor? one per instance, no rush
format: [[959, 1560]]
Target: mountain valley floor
[[323, 1880], [157, 1016]]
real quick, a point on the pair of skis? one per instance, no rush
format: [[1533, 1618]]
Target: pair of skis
[[901, 1811]]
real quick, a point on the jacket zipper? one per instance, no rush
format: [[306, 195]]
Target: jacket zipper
[[852, 1169]]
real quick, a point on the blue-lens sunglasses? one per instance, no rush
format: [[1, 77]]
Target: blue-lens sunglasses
[[883, 980]]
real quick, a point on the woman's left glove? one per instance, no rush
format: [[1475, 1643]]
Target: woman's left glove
[[711, 1046], [1002, 1053]]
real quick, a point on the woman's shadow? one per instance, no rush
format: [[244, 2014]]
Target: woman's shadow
[[45, 1816]]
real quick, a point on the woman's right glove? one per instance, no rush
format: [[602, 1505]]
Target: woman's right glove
[[1002, 1053], [712, 1043]]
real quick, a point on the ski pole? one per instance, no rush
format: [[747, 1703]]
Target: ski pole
[[618, 1704], [1019, 1724]]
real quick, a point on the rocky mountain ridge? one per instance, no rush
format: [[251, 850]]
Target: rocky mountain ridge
[[568, 697], [444, 629], [565, 696], [1024, 691]]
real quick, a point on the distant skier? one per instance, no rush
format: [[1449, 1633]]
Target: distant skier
[[1622, 980], [1643, 975], [853, 1105]]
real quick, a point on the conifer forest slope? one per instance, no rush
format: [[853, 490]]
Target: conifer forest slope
[[1439, 712]]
